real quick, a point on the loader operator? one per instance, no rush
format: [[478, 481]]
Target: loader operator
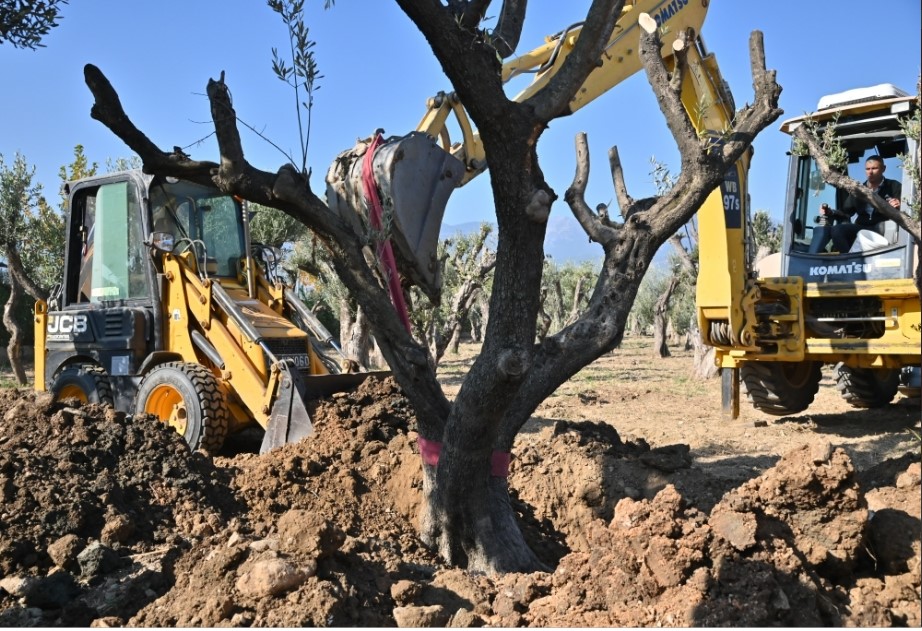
[[868, 218]]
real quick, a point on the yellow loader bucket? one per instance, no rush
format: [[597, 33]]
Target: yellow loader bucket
[[289, 420]]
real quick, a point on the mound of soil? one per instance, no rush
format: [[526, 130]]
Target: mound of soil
[[108, 520]]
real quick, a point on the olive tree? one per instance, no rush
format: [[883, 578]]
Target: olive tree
[[23, 23], [31, 240], [465, 444], [467, 262]]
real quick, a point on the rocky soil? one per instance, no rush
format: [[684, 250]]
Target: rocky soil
[[111, 521]]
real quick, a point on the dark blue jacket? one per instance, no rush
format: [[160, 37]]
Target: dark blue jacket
[[853, 205]]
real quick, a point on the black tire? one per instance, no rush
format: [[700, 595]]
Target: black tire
[[867, 387], [186, 397], [781, 388], [87, 383]]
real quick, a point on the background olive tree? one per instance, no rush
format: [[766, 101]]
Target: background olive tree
[[24, 23]]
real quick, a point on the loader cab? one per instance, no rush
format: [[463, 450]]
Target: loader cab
[[866, 123], [109, 259], [200, 219]]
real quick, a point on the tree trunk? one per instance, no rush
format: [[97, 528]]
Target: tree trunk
[[578, 292], [485, 522], [450, 333], [703, 362], [355, 337], [15, 345], [455, 341], [660, 319], [483, 299]]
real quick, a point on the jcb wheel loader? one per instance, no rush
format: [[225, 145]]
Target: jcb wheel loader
[[165, 309]]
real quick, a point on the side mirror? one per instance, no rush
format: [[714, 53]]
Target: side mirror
[[162, 241]]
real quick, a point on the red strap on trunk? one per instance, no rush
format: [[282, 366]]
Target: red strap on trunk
[[429, 450], [385, 252]]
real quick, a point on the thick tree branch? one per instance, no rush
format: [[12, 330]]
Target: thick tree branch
[[625, 201], [18, 271], [509, 27], [668, 90], [107, 109], [552, 101], [751, 120], [687, 264]]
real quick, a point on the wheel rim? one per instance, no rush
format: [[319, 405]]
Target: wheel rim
[[71, 391], [166, 403]]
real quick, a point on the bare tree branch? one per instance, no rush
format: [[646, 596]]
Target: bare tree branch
[[107, 109], [576, 198], [18, 271], [509, 27], [551, 102], [668, 89], [687, 264]]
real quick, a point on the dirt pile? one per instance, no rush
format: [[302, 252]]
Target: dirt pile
[[107, 520]]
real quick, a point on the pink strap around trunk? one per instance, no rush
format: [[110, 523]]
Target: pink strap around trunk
[[429, 450]]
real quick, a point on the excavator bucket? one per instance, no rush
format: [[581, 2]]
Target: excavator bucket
[[289, 420], [415, 178]]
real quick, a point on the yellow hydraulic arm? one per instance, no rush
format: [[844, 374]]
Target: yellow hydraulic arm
[[619, 61]]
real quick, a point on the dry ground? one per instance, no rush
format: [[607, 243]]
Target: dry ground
[[648, 508]]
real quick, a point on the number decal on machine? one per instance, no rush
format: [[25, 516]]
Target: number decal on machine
[[300, 361]]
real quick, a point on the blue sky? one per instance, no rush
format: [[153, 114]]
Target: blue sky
[[378, 72]]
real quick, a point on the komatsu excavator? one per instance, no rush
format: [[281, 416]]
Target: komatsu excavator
[[856, 309], [774, 331], [167, 308]]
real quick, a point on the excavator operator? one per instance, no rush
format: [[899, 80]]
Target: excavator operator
[[866, 217]]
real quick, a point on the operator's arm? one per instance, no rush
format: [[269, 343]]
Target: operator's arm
[[894, 193], [829, 213]]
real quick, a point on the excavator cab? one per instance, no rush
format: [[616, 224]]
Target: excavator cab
[[864, 131]]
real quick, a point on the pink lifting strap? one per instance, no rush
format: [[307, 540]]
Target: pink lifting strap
[[429, 450], [385, 251]]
